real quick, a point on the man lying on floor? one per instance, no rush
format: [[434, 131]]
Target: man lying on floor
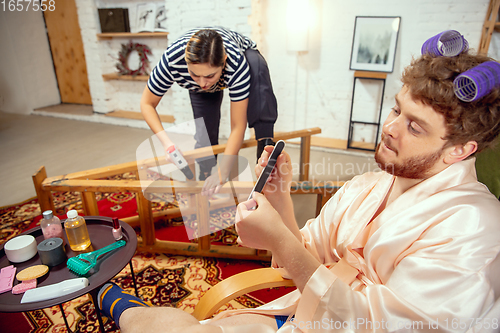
[[413, 247]]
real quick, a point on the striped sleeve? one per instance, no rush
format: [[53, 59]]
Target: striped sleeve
[[239, 83], [161, 78], [172, 66]]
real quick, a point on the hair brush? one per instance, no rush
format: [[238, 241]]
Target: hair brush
[[84, 262]]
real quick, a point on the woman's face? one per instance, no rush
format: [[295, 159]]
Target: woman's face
[[204, 74]]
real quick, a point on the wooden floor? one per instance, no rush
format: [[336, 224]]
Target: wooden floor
[[62, 145], [75, 109]]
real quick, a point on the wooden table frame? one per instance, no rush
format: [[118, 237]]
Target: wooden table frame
[[88, 183]]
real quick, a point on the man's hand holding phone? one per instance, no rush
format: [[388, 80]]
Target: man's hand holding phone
[[277, 185], [275, 207]]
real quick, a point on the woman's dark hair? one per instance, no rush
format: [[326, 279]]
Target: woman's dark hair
[[430, 80], [206, 47]]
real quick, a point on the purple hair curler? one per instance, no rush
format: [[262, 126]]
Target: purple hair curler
[[477, 82], [449, 43]]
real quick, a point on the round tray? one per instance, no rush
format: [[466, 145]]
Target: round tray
[[100, 232]]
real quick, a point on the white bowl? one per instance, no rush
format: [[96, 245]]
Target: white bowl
[[20, 248]]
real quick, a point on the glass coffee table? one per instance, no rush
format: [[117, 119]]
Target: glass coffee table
[[100, 232]]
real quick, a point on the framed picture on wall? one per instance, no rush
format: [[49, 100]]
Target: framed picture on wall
[[146, 17], [374, 43], [151, 17], [160, 17]]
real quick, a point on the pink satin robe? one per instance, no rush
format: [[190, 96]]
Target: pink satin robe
[[427, 262]]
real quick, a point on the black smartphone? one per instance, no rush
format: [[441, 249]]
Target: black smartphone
[[264, 175]]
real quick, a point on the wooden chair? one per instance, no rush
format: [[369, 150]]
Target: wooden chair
[[262, 278], [257, 279], [237, 285]]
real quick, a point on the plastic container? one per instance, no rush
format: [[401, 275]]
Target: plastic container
[[76, 231], [20, 248], [51, 226], [477, 82], [448, 43]]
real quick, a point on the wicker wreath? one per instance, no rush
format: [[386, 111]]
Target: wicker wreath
[[124, 54]]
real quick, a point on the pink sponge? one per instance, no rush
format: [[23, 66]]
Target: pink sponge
[[25, 285], [7, 275]]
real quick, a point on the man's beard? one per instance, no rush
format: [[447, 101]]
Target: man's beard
[[416, 167]]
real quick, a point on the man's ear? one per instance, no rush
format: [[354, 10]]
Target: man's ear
[[459, 153]]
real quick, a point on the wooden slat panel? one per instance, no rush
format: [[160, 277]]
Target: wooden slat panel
[[192, 249], [203, 220], [189, 155], [78, 185], [189, 209], [97, 172], [116, 76], [488, 26], [370, 75], [158, 186], [317, 141], [319, 203], [305, 154], [146, 219], [109, 35], [67, 52], [44, 197], [138, 116], [219, 149], [89, 203]]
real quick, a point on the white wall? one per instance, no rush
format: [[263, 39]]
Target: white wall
[[313, 88], [27, 77], [101, 55]]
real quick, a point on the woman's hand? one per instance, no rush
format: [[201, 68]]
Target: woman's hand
[[211, 186], [214, 182], [167, 154]]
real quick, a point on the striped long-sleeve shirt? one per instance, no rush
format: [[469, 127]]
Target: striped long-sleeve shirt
[[235, 76]]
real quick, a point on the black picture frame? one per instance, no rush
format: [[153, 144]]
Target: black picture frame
[[114, 20], [374, 43]]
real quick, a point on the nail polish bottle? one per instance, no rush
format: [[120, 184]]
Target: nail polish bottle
[[117, 229], [51, 226]]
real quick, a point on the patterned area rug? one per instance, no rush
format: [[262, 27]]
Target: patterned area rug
[[164, 280]]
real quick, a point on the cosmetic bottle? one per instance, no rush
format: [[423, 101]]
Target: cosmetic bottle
[[117, 229], [76, 230], [51, 226]]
